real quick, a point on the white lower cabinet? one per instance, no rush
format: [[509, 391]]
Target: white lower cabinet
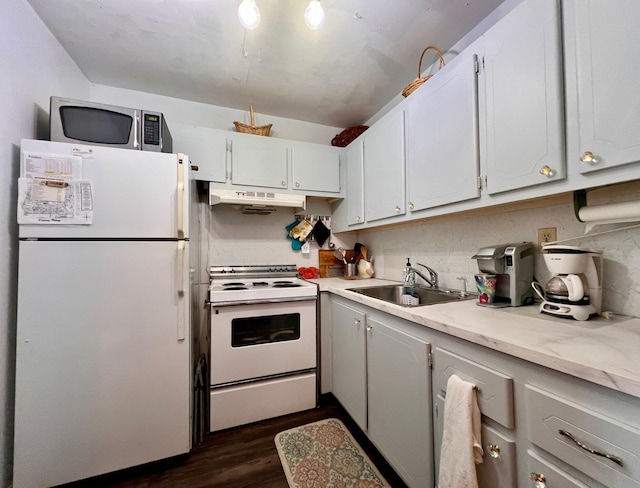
[[348, 363], [494, 393], [540, 428], [381, 377]]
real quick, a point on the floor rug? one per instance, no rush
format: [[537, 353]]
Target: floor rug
[[324, 455]]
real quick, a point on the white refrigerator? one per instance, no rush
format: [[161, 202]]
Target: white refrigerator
[[103, 367]]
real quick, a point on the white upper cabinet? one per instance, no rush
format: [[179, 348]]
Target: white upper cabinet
[[522, 115], [259, 161], [355, 184], [442, 136], [603, 42], [206, 148], [384, 167], [315, 167]]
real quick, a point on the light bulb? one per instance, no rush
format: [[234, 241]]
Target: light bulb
[[314, 15], [249, 14]]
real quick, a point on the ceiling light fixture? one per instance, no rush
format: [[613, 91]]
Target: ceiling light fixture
[[314, 15], [249, 14]]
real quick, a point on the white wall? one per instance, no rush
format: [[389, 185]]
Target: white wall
[[185, 112], [34, 67]]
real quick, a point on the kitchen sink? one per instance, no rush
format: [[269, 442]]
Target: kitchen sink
[[424, 294]]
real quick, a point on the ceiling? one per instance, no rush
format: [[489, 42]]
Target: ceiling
[[339, 75]]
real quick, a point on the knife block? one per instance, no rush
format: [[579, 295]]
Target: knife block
[[329, 265]]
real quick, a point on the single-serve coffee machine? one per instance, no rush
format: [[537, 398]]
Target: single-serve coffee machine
[[575, 290], [513, 266]]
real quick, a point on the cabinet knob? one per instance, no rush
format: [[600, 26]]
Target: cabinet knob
[[357, 322], [411, 205], [297, 184], [494, 451], [397, 209], [283, 183], [539, 480], [358, 219], [547, 171], [369, 328], [588, 157]]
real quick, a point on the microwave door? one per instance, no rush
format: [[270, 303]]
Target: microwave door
[[86, 122]]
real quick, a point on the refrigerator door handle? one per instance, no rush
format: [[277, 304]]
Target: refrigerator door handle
[[182, 302], [181, 166]]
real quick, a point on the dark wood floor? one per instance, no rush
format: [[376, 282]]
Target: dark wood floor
[[242, 457]]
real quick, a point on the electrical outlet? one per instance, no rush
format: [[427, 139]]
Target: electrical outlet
[[547, 234]]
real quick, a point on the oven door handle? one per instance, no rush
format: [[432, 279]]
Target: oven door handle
[[258, 301]]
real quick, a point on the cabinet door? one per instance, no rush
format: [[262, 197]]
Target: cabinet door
[[355, 188], [384, 194], [349, 361], [258, 161], [315, 167], [523, 114], [206, 148], [442, 137], [400, 401], [608, 74]]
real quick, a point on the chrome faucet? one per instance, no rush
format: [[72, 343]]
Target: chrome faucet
[[432, 280]]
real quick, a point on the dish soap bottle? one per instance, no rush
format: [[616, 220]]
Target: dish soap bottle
[[408, 274]]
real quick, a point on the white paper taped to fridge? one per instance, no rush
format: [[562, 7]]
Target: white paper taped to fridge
[[40, 202], [51, 166]]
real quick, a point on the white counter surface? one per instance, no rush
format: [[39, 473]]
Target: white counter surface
[[603, 351]]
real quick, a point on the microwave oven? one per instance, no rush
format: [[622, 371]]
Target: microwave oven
[[78, 121]]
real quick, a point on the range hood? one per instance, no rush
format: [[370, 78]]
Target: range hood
[[256, 198]]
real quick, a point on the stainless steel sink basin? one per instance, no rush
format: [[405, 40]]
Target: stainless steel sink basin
[[424, 294]]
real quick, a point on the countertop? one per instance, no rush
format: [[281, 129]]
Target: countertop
[[603, 351]]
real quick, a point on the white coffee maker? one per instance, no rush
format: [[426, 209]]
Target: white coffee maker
[[575, 290]]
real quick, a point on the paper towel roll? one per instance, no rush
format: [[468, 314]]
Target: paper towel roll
[[611, 213]]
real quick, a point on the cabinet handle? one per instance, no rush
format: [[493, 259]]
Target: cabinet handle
[[539, 480], [613, 458], [283, 183], [297, 184], [494, 451], [411, 205], [547, 171], [588, 157], [397, 209]]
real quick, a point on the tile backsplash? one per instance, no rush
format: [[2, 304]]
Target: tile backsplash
[[447, 247], [230, 237]]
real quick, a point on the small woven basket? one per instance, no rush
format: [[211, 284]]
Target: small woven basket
[[261, 130], [411, 87]]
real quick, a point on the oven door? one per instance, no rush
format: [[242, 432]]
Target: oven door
[[258, 340]]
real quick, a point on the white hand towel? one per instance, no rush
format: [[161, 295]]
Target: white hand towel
[[461, 446]]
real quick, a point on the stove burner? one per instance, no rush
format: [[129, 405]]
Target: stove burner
[[286, 285], [282, 282], [233, 284], [260, 283], [232, 288]]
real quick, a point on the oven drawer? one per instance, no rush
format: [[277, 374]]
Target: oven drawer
[[253, 341], [548, 415], [260, 400]]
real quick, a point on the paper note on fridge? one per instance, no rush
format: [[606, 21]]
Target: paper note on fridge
[[52, 166], [39, 202]]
